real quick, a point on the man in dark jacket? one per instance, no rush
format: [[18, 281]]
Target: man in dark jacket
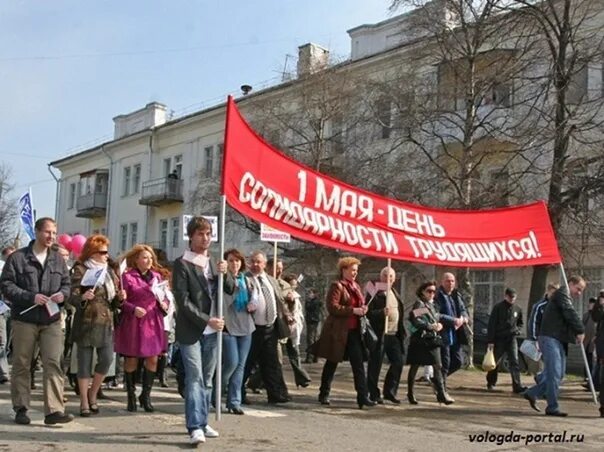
[[505, 324], [391, 338], [313, 308], [34, 281], [561, 325], [453, 316]]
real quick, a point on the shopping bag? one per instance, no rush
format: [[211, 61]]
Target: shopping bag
[[530, 350], [488, 362]]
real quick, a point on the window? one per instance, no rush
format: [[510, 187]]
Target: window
[[133, 234], [178, 165], [167, 166], [137, 179], [126, 182], [577, 87], [384, 113], [219, 153], [488, 290], [209, 156], [175, 224], [123, 237], [72, 196], [163, 234], [500, 187], [337, 135]]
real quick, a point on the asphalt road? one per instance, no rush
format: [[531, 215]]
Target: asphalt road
[[304, 425]]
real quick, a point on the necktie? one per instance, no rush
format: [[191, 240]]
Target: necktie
[[269, 301]]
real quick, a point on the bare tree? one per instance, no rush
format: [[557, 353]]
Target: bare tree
[[8, 207]]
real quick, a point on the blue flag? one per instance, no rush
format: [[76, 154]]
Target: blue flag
[[26, 213]]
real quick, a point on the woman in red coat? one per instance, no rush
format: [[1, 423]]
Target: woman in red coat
[[341, 335]]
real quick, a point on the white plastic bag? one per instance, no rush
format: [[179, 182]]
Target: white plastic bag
[[488, 362], [530, 349]]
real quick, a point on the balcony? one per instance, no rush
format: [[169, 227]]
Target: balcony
[[92, 205], [162, 191]]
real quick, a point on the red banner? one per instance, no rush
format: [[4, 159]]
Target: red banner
[[271, 188]]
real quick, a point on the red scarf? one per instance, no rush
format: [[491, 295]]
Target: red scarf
[[356, 300]]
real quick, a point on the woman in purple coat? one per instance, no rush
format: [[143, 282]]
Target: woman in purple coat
[[140, 333]]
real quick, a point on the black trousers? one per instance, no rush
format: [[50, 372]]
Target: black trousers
[[510, 348], [264, 352], [451, 359], [312, 335], [293, 353], [354, 351], [390, 346]]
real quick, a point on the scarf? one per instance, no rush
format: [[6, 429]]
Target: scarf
[[108, 283], [242, 296], [354, 291]]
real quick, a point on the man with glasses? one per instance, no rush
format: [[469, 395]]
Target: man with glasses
[[34, 279], [505, 324], [561, 325]]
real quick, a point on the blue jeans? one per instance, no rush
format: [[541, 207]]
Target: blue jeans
[[235, 351], [209, 358], [554, 360], [197, 360]]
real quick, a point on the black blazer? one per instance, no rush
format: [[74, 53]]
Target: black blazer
[[193, 299], [376, 316]]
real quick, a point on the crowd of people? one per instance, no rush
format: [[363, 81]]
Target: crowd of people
[[128, 311]]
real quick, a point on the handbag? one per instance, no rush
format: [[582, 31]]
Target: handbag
[[431, 339], [488, 362], [283, 329], [368, 336]]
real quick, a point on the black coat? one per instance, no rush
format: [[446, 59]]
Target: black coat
[[505, 322], [597, 314], [560, 320], [23, 277], [376, 316]]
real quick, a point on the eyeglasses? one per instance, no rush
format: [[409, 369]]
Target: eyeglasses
[[430, 291], [103, 253]]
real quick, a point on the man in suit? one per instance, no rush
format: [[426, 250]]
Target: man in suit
[[453, 315], [266, 335], [195, 285], [391, 338]]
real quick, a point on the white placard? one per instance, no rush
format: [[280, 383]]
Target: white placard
[[268, 234], [93, 276], [213, 221]]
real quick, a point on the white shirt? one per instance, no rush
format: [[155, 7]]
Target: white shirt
[[260, 312], [41, 256]]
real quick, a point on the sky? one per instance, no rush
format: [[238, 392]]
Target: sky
[[67, 67]]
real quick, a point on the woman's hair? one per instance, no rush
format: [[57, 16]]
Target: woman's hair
[[345, 262], [136, 250], [92, 245], [237, 255], [420, 290], [289, 278]]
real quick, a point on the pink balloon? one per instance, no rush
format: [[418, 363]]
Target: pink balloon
[[77, 244], [64, 240]]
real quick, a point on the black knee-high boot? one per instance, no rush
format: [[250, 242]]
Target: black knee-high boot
[[411, 384], [145, 397], [130, 378]]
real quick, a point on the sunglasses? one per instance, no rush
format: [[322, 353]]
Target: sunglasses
[[102, 253], [430, 291]]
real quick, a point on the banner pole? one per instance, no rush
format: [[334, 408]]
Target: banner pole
[[218, 385], [388, 287], [585, 362], [275, 260]]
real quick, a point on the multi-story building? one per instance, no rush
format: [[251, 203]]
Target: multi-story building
[[137, 187]]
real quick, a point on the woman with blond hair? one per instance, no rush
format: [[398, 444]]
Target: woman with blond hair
[[140, 333], [341, 335], [93, 320]]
